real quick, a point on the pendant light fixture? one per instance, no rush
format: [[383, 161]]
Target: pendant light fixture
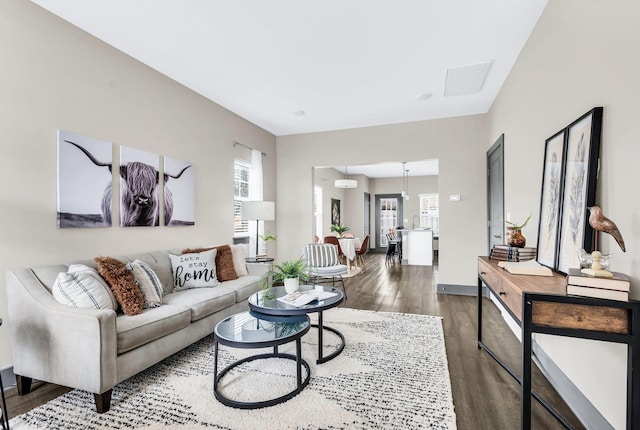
[[346, 183], [406, 188], [405, 181]]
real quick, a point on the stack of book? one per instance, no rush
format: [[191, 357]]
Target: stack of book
[[511, 253], [615, 288]]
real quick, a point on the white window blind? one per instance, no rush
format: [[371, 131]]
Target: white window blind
[[240, 194]]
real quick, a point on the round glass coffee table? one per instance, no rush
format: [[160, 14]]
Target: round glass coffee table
[[270, 305], [253, 330]]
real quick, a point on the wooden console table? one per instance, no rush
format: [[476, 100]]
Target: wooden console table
[[540, 305]]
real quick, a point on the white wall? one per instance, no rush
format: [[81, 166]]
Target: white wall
[[582, 54], [54, 76], [458, 143]]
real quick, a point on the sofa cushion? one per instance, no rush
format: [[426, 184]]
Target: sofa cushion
[[134, 331], [83, 287], [239, 259], [194, 270], [123, 284], [203, 301], [244, 286], [148, 283], [225, 269]]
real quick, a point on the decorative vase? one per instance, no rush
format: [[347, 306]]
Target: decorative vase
[[517, 240], [291, 285]]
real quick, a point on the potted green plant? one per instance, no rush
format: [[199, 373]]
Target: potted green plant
[[339, 229], [268, 236], [516, 238], [289, 272]]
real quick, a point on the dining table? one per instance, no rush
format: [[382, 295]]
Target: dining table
[[349, 246]]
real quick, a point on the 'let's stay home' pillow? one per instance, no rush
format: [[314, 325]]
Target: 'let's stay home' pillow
[[194, 270]]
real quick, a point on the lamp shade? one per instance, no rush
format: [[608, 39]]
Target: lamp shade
[[346, 183], [258, 210]]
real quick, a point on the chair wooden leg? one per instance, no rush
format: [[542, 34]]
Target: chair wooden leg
[[362, 266]]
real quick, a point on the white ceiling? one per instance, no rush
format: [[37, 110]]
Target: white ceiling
[[344, 63]]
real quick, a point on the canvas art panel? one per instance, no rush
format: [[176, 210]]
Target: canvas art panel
[[139, 188], [550, 200], [179, 192], [579, 189], [84, 181]]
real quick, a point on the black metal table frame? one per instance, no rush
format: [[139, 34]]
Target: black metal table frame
[[320, 326], [631, 339], [300, 384]]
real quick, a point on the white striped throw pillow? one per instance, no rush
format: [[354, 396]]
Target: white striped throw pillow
[[83, 287], [321, 255], [148, 282]]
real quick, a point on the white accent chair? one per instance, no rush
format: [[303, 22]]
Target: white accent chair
[[323, 265]]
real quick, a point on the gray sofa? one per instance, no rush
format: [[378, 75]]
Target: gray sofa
[[93, 350]]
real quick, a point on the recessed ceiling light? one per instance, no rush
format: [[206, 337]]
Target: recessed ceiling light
[[299, 113], [425, 96]]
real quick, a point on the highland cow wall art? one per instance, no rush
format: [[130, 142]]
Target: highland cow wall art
[[139, 188], [84, 173], [179, 179]]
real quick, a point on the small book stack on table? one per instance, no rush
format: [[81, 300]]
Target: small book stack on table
[[511, 253], [615, 288]]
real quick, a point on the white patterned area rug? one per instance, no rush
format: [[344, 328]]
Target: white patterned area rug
[[392, 374]]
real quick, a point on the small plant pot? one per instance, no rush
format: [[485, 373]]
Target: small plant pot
[[291, 285], [517, 239]]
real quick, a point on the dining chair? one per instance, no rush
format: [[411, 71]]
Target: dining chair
[[364, 248], [392, 248], [350, 235], [323, 264]]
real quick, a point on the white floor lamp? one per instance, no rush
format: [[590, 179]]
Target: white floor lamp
[[258, 211]]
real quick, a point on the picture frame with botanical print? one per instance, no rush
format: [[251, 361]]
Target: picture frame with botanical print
[[582, 151], [552, 179]]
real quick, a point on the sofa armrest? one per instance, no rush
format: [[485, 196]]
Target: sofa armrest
[[258, 269], [58, 343]]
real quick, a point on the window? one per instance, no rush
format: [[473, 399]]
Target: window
[[240, 194], [430, 212]]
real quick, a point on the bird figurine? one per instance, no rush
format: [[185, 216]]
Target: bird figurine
[[599, 222]]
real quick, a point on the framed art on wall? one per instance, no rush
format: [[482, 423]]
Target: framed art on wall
[[179, 192], [579, 187], [552, 175], [139, 199], [335, 212], [84, 181]]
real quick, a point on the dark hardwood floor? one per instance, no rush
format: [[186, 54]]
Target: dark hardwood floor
[[484, 395]]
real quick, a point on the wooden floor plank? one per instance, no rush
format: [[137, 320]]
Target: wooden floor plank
[[484, 395]]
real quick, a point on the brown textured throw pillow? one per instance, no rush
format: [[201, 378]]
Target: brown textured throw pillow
[[225, 269], [122, 283]]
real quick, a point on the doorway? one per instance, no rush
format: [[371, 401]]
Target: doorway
[[388, 217]]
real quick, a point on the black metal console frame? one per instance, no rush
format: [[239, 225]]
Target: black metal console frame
[[631, 339]]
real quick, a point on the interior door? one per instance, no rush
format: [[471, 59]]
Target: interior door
[[388, 217], [367, 215], [495, 193]]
